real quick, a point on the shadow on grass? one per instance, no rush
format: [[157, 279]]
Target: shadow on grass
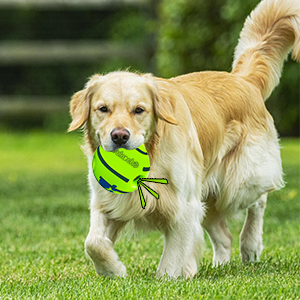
[[30, 186], [269, 267], [56, 209], [274, 266]]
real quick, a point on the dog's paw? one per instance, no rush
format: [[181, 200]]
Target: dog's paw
[[186, 271], [251, 253], [119, 270], [105, 259], [122, 271], [220, 260]]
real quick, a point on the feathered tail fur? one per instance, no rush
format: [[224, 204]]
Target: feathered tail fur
[[270, 33]]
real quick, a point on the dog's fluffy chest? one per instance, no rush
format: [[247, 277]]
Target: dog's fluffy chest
[[128, 206]]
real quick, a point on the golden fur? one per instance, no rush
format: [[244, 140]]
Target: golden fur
[[208, 133]]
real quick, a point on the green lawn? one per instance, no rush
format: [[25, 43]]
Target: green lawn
[[44, 220]]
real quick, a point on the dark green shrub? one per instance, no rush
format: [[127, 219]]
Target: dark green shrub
[[197, 35]]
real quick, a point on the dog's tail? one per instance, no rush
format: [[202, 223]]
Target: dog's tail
[[270, 33]]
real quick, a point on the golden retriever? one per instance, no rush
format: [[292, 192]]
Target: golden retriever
[[208, 133]]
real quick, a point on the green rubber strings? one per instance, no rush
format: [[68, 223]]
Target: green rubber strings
[[141, 183]]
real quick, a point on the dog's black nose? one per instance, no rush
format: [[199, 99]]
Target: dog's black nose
[[120, 136]]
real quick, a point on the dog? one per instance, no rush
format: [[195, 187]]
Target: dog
[[208, 133]]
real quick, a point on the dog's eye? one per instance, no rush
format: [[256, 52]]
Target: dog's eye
[[138, 110], [103, 109]]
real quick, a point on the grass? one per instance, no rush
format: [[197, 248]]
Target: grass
[[44, 221]]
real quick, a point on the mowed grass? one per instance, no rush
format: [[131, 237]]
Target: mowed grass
[[44, 221]]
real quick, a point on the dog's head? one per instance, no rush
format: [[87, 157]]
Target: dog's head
[[120, 109]]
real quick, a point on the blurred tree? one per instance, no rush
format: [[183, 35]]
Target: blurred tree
[[123, 25], [115, 24], [197, 35]]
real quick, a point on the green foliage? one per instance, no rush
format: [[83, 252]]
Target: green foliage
[[30, 23], [199, 35], [126, 25], [193, 35], [45, 219]]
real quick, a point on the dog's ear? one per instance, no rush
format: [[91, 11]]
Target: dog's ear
[[164, 103], [80, 104], [164, 107], [79, 110]]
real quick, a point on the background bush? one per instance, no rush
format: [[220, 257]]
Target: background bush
[[197, 35], [190, 35], [114, 24]]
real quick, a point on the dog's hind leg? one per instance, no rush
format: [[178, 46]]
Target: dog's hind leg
[[251, 236], [99, 244], [219, 234]]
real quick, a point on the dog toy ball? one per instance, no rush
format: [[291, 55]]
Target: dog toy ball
[[119, 171]]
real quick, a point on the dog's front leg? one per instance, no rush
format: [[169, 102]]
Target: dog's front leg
[[99, 244], [183, 244]]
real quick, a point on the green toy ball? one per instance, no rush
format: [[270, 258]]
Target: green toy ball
[[119, 171]]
